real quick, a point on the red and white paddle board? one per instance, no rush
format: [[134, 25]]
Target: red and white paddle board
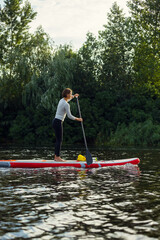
[[53, 164]]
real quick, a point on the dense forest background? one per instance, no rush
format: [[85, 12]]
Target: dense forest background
[[117, 75]]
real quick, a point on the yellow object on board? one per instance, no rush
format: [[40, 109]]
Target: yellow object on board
[[81, 158]]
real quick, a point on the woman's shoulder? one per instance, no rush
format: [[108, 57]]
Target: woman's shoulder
[[62, 101]]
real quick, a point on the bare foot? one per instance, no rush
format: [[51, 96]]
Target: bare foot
[[58, 159]]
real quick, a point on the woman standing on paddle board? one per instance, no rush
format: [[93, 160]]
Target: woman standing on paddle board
[[62, 109]]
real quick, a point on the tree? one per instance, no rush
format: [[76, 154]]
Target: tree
[[145, 16], [14, 35], [45, 88], [116, 52], [89, 63]]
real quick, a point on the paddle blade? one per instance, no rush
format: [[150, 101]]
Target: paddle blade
[[88, 157]]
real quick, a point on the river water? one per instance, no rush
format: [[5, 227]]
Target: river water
[[121, 203]]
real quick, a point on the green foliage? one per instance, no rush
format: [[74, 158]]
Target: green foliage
[[32, 127], [117, 75], [14, 22], [45, 88], [136, 134], [146, 64], [1, 129], [116, 52], [89, 64]]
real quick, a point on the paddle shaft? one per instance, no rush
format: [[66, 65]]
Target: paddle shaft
[[84, 135]]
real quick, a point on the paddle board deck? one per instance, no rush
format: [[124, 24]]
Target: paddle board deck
[[54, 164]]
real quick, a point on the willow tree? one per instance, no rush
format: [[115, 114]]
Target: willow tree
[[44, 89]]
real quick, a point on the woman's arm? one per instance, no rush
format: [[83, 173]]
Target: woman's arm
[[68, 111]]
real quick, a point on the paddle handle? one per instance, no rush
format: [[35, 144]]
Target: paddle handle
[[84, 135]]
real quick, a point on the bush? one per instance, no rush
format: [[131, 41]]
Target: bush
[[136, 134], [32, 127]]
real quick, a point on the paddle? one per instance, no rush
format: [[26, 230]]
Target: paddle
[[88, 155]]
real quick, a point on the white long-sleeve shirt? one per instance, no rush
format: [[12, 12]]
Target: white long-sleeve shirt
[[63, 109]]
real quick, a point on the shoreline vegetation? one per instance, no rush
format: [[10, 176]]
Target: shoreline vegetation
[[117, 75]]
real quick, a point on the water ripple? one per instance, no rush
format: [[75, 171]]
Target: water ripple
[[111, 203]]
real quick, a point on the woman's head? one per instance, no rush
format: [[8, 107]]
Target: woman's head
[[67, 93]]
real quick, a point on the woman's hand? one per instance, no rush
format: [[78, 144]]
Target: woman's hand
[[79, 119], [76, 95]]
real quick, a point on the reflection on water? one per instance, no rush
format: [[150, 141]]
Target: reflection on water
[[107, 203]]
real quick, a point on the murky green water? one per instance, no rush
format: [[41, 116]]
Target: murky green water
[[108, 203]]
